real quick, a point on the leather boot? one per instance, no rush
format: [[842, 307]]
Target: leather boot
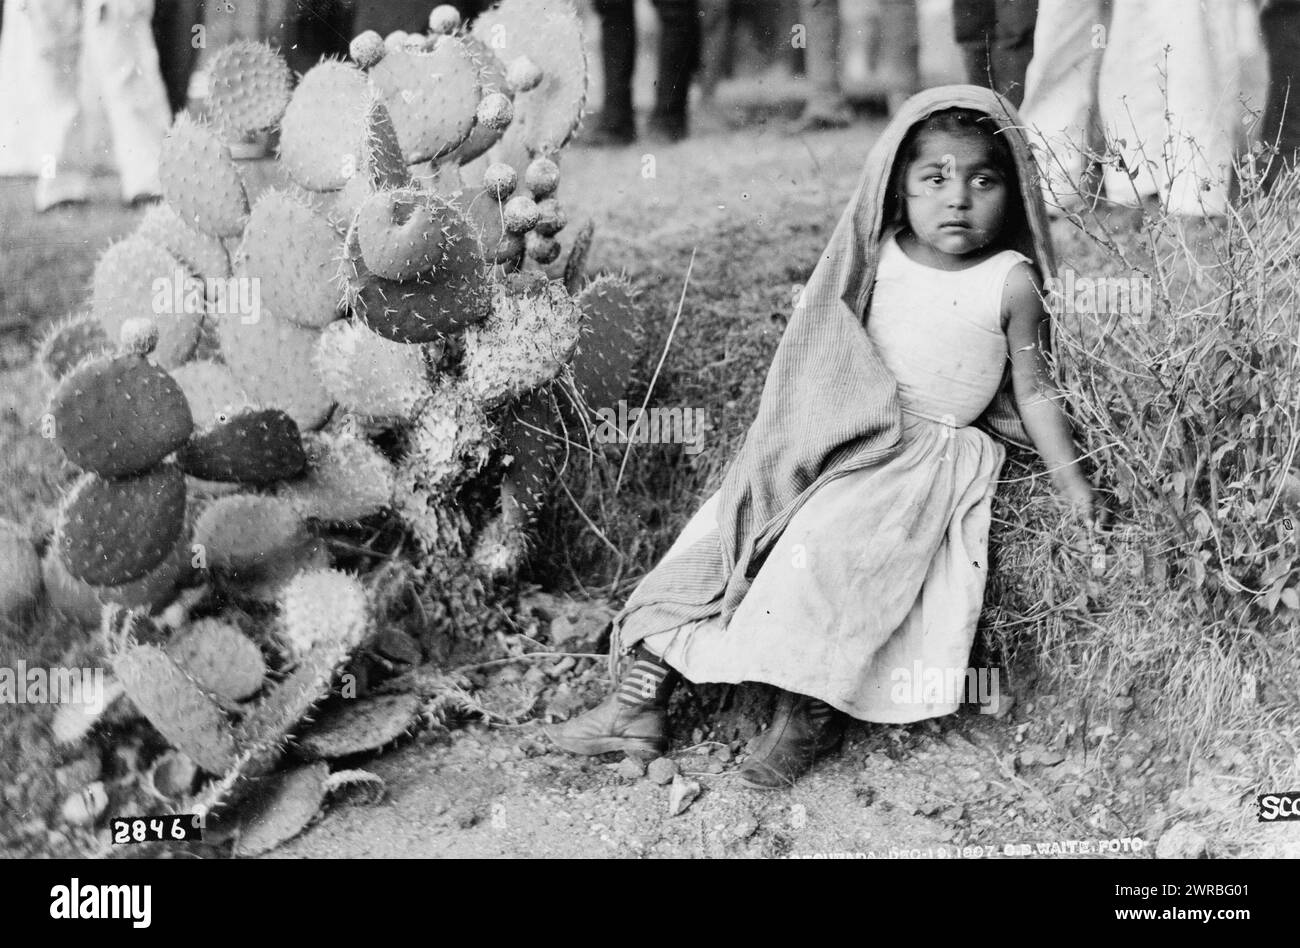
[[633, 719], [803, 730]]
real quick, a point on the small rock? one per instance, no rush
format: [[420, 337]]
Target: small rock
[[946, 834], [712, 767], [929, 808], [662, 770], [1005, 704], [1049, 757], [1122, 703], [397, 645], [697, 736], [723, 753], [1125, 762], [865, 795], [681, 794], [953, 813], [562, 666], [746, 828], [631, 768], [1180, 841]]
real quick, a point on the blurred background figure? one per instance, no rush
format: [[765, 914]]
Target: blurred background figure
[[826, 106], [997, 42], [1116, 67], [178, 51], [679, 56], [1280, 25], [66, 67]]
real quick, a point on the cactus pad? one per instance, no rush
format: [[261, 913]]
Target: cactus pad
[[491, 79], [359, 727], [200, 179], [533, 453], [248, 87], [119, 416], [252, 446], [422, 309], [324, 607], [549, 33], [220, 658], [70, 342], [432, 97], [526, 341], [400, 232], [242, 533], [450, 441], [346, 479], [293, 253], [85, 602], [273, 363], [608, 350], [175, 705], [324, 128], [281, 808], [135, 277], [201, 253], [110, 532], [211, 391], [369, 374]]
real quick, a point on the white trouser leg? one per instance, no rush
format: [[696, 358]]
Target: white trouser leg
[[1060, 89]]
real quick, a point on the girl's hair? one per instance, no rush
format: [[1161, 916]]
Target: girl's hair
[[966, 123]]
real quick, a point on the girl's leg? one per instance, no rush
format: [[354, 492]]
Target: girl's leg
[[802, 730], [633, 719]]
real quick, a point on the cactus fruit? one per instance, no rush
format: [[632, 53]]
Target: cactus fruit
[[324, 607], [542, 177], [367, 48], [549, 33], [135, 277], [110, 532], [521, 214], [432, 97], [220, 658], [395, 40], [495, 111], [323, 130], [421, 310], [172, 775], [139, 336], [346, 479], [551, 218], [85, 603], [500, 180], [273, 362], [242, 533], [526, 341], [501, 548], [70, 342], [400, 233], [211, 391], [201, 253], [450, 440], [248, 87], [359, 727], [20, 571], [292, 252], [369, 374], [444, 18], [175, 705], [200, 179], [608, 350], [523, 75], [542, 249], [119, 415], [251, 446], [282, 807]]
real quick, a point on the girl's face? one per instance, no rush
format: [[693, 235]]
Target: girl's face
[[955, 196]]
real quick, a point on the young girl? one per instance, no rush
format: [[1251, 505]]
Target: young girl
[[846, 551]]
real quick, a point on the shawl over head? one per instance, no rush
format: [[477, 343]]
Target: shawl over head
[[829, 405]]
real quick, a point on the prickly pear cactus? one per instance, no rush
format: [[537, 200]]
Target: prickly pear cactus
[[220, 658], [433, 97], [200, 179], [248, 88], [70, 342], [126, 286], [293, 252], [252, 447]]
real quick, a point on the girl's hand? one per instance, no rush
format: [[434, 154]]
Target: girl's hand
[[1085, 506]]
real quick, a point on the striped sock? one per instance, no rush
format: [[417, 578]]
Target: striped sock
[[648, 680]]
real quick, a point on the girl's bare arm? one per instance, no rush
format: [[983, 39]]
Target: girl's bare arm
[[1037, 396]]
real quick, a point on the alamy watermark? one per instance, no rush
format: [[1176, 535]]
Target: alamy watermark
[[216, 296], [651, 426], [937, 684], [1120, 296], [61, 685]]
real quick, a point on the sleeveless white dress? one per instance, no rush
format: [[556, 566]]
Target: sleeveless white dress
[[877, 582]]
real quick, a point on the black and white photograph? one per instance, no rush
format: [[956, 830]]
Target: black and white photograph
[[651, 429]]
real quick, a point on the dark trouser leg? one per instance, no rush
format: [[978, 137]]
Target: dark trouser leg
[[618, 56], [679, 55], [1280, 23], [173, 22], [319, 28], [1013, 46]]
